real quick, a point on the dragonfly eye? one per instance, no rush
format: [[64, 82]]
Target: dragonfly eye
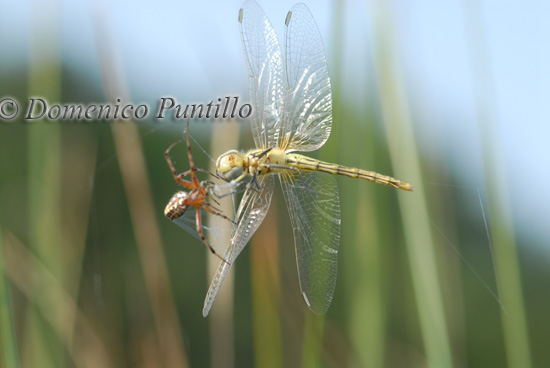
[[177, 206], [230, 165]]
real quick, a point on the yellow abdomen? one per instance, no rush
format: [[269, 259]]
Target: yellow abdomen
[[304, 163], [277, 160]]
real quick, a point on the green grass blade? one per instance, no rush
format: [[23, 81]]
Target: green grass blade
[[220, 319], [406, 163], [313, 340], [516, 336], [41, 347], [8, 339], [363, 271], [266, 293]]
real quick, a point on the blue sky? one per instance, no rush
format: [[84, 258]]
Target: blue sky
[[192, 50]]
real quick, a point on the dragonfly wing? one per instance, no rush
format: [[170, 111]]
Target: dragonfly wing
[[252, 211], [314, 208], [307, 117], [265, 73]]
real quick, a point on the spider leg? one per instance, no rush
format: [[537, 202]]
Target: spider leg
[[184, 183], [213, 210], [214, 175], [190, 156], [212, 198], [199, 230], [196, 169], [210, 206]]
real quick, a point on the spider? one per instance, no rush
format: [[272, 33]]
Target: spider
[[197, 195]]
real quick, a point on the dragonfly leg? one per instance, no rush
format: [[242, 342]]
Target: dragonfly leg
[[253, 182], [215, 190], [263, 153]]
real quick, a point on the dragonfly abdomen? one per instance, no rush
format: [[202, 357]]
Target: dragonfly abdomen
[[308, 164]]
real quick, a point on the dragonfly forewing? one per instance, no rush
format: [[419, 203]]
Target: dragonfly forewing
[[264, 63], [252, 211], [307, 116]]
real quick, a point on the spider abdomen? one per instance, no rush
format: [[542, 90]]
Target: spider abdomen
[[176, 206]]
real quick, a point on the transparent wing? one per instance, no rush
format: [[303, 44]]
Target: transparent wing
[[215, 230], [252, 211], [314, 208], [307, 117], [265, 73]]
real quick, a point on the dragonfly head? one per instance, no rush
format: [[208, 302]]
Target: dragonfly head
[[230, 165], [176, 206]]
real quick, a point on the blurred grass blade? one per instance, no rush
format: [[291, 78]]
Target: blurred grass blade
[[360, 259], [79, 159], [516, 336], [266, 293], [406, 164], [364, 262], [44, 178], [53, 304], [335, 63], [224, 137], [312, 349], [8, 339], [142, 211]]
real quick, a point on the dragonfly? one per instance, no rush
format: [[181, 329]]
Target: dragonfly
[[197, 196], [292, 112]]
